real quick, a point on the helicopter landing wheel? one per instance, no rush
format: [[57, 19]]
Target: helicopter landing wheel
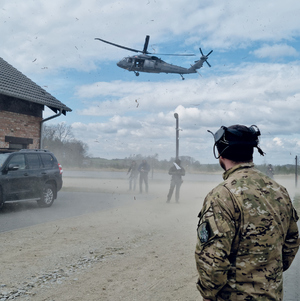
[[182, 77], [137, 73]]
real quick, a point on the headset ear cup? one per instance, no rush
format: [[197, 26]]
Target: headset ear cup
[[221, 147], [255, 130], [214, 151]]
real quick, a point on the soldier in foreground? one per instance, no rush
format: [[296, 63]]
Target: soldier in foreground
[[247, 231]]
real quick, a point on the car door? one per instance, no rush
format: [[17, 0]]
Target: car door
[[48, 172], [17, 178], [33, 170]]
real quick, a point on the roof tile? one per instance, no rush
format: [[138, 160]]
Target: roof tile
[[14, 83]]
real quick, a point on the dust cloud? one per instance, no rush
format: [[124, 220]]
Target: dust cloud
[[142, 250]]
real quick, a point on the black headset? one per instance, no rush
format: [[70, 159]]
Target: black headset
[[236, 138]]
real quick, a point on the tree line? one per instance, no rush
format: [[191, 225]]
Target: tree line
[[71, 152], [119, 164], [59, 139]]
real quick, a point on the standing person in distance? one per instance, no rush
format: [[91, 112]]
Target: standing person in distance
[[133, 170], [247, 230], [176, 171], [144, 169], [270, 171]]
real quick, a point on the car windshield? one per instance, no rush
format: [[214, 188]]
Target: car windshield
[[3, 157]]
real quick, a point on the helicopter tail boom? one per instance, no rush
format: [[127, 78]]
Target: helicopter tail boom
[[198, 64]]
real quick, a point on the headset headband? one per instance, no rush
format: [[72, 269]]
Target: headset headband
[[242, 138]]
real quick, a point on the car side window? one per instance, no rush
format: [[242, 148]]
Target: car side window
[[47, 160], [18, 160], [33, 161]]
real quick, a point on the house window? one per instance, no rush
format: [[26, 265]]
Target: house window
[[18, 146], [18, 142]]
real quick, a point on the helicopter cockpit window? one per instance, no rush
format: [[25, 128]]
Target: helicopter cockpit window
[[139, 63], [129, 60]]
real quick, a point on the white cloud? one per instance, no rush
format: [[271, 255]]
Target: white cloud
[[255, 91], [276, 51], [248, 96], [60, 34], [53, 43], [278, 141]]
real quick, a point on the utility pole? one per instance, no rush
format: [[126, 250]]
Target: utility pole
[[296, 171], [177, 135]]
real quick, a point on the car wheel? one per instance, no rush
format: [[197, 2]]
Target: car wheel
[[47, 198]]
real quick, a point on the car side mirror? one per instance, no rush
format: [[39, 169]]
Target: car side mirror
[[12, 167]]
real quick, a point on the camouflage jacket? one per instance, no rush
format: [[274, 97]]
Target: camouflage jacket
[[247, 237]]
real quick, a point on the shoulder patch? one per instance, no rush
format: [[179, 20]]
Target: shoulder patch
[[204, 232]]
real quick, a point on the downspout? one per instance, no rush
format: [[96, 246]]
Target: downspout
[[42, 123]]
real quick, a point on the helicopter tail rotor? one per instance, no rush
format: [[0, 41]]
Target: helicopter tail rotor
[[198, 64], [205, 57]]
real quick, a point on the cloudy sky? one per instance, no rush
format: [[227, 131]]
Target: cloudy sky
[[254, 78]]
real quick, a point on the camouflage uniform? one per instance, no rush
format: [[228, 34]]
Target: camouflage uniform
[[247, 237]]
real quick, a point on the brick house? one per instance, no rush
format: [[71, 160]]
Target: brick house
[[21, 109]]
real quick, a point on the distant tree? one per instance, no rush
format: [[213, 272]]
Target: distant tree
[[64, 132], [197, 165], [60, 140], [60, 132]]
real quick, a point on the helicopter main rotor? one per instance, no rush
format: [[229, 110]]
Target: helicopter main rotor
[[144, 51]]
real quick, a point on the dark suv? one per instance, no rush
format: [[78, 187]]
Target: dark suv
[[29, 175]]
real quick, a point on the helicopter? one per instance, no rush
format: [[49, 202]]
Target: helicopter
[[146, 62]]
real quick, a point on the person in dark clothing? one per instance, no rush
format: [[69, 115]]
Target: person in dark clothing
[[144, 169], [133, 170], [270, 171], [176, 171]]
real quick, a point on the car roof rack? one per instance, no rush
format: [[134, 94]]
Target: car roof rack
[[34, 150]]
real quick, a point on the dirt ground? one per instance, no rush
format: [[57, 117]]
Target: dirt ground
[[142, 251]]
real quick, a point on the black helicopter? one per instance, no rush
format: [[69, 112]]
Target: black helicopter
[[152, 64]]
